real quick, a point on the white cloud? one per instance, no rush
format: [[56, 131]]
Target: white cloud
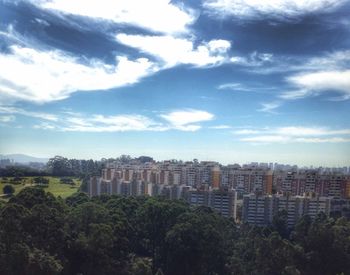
[[323, 140], [63, 74], [310, 131], [219, 127], [118, 123], [337, 60], [178, 120], [276, 9], [182, 120], [44, 126], [266, 139], [219, 46], [286, 139], [295, 134], [19, 111], [6, 119], [255, 59], [300, 131], [234, 87], [156, 15], [308, 84], [333, 61], [41, 22], [269, 107], [246, 132], [174, 51], [186, 120]]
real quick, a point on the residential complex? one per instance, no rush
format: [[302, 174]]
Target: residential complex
[[264, 188]]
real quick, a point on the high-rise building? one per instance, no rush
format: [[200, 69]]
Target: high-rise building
[[254, 177], [215, 177], [260, 209], [223, 201]]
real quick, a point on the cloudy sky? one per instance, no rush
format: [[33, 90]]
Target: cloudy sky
[[225, 80]]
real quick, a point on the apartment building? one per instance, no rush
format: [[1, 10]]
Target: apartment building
[[260, 209], [223, 201], [297, 183]]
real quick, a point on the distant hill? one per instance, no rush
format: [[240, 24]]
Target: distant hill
[[21, 158]]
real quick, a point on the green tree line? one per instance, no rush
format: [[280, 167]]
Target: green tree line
[[57, 166], [41, 234]]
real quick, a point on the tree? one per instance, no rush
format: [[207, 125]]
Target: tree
[[42, 263], [41, 181], [195, 244], [154, 219], [31, 196], [41, 234], [144, 159], [76, 199], [59, 166], [67, 181], [8, 189], [141, 266], [280, 223]]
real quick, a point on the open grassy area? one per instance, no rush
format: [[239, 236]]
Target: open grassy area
[[55, 186]]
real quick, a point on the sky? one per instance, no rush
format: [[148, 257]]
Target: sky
[[233, 81]]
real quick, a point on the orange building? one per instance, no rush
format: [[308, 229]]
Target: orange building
[[268, 184], [347, 189], [215, 177]]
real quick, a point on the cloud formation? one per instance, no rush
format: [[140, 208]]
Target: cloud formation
[[174, 51], [187, 120], [309, 84], [220, 127], [255, 59], [63, 74], [283, 10], [155, 15], [19, 111], [182, 120], [6, 119], [333, 61], [118, 123], [234, 87], [269, 107], [294, 134]]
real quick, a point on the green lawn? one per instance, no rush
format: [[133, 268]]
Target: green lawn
[[55, 187]]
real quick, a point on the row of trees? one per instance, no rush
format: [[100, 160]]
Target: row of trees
[[57, 166], [61, 167], [21, 171], [41, 234]]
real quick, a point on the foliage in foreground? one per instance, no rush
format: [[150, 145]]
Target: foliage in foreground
[[41, 234]]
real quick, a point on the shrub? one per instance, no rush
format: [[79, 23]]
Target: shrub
[[8, 189], [67, 181]]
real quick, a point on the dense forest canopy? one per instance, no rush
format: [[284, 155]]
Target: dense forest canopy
[[41, 234]]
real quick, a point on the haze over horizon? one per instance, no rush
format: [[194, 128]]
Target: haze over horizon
[[22, 158], [230, 81]]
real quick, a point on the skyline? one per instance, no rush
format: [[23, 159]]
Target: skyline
[[230, 81]]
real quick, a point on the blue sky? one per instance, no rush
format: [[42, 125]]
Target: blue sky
[[226, 80]]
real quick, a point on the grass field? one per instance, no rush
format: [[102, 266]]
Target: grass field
[[54, 187]]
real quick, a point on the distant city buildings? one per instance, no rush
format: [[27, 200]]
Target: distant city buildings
[[265, 188], [5, 162]]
